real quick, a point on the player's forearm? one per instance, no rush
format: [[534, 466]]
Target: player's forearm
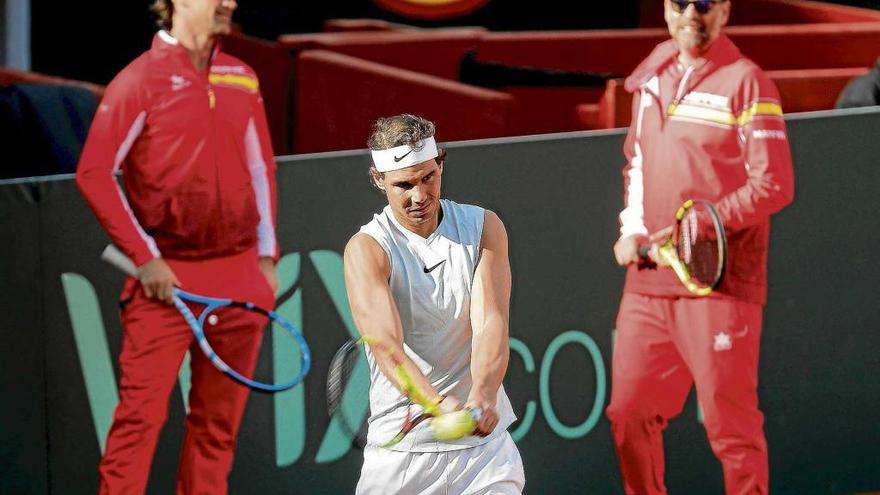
[[490, 315], [403, 373], [489, 357], [387, 349]]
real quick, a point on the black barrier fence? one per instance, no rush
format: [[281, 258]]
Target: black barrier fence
[[559, 196]]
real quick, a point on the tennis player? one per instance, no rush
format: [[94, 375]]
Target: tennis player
[[186, 125], [430, 279], [707, 125]]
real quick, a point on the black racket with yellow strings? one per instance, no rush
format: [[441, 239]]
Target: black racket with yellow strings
[[347, 393], [347, 403], [696, 249]]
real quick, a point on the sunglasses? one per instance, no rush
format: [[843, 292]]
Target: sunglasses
[[702, 6]]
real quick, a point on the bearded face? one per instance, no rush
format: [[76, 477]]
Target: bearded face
[[695, 25]]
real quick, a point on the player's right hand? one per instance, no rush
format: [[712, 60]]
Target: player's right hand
[[157, 279], [487, 419], [626, 249]]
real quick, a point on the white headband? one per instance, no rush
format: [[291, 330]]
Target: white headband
[[404, 156]]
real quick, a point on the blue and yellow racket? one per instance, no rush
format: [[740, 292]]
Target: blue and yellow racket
[[210, 314]]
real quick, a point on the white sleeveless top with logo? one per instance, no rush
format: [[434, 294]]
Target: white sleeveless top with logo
[[431, 281]]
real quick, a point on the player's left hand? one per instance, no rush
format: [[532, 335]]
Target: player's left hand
[[489, 419], [267, 267]]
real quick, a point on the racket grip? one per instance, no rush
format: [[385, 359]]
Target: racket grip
[[644, 249], [118, 259]]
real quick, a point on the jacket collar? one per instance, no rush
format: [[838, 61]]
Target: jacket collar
[[163, 41], [721, 53]]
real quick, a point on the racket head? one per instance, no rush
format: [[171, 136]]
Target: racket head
[[699, 245], [213, 319], [408, 424], [291, 356], [346, 393]]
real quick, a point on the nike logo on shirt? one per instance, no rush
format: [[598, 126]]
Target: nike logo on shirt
[[429, 270]]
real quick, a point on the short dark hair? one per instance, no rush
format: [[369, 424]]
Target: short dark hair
[[163, 10], [399, 130]]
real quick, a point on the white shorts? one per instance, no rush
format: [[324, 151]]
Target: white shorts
[[494, 468]]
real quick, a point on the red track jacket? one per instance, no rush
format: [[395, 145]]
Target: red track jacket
[[713, 132], [194, 146]]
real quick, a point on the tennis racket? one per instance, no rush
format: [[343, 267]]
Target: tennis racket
[[347, 387], [696, 250], [347, 403], [212, 309]]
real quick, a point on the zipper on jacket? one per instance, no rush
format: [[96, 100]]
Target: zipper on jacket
[[218, 172], [682, 85], [679, 93]]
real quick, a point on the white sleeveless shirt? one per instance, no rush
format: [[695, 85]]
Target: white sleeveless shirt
[[431, 281]]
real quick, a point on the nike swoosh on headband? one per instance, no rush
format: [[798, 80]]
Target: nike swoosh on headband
[[401, 157]]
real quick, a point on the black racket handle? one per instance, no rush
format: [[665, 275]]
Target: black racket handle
[[644, 249]]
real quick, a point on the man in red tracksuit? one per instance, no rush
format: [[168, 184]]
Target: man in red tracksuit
[[707, 124], [185, 122]]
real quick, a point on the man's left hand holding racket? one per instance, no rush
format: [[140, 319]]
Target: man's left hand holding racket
[[628, 249], [695, 247], [159, 281]]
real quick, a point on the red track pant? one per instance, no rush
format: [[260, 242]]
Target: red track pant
[[154, 341], [663, 346]]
